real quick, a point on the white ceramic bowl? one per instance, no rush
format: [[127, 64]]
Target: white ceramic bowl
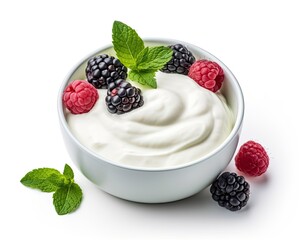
[[155, 185]]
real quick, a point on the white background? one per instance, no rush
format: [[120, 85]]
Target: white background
[[41, 41]]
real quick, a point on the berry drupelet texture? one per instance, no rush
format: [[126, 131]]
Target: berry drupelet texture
[[252, 159], [80, 97], [122, 97], [230, 191], [207, 74], [103, 70], [181, 60]]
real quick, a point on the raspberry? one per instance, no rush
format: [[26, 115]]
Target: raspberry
[[80, 96], [207, 74], [252, 159], [230, 191]]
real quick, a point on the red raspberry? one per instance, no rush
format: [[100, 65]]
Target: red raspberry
[[80, 96], [252, 159], [207, 74]]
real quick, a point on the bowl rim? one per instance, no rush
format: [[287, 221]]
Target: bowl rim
[[167, 41]]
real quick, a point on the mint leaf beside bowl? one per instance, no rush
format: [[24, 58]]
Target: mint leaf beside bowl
[[67, 194]]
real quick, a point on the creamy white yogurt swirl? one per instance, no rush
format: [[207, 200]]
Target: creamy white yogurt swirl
[[178, 123]]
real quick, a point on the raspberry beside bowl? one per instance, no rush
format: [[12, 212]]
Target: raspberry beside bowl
[[155, 185]]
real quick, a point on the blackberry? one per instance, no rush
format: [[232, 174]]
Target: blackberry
[[181, 61], [122, 97], [230, 191], [103, 69]]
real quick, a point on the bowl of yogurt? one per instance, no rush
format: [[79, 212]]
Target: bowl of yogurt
[[171, 148]]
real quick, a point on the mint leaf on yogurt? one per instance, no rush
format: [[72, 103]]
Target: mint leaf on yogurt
[[127, 43], [153, 58], [143, 77], [142, 61]]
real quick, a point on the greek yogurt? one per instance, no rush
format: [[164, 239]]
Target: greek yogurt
[[178, 123]]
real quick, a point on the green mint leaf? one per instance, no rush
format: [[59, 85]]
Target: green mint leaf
[[127, 43], [143, 77], [68, 172], [58, 180], [42, 178], [153, 58], [67, 198], [142, 57]]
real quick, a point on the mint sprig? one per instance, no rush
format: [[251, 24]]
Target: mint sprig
[[67, 198], [127, 44], [143, 61], [68, 172], [153, 58], [42, 179], [143, 77], [67, 194]]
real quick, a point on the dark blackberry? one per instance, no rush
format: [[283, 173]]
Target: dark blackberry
[[230, 191], [103, 69], [122, 97], [181, 61]]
